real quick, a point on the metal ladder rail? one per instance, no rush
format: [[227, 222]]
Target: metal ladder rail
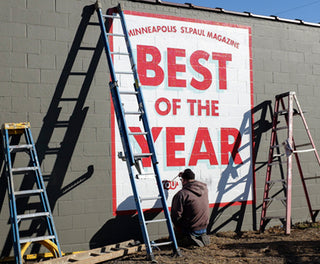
[[150, 142], [43, 195], [123, 130], [124, 134], [289, 119], [114, 90], [313, 213], [268, 182], [12, 201]]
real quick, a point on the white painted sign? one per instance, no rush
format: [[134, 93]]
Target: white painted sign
[[196, 79]]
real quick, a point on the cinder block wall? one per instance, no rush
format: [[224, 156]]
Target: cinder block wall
[[47, 79]]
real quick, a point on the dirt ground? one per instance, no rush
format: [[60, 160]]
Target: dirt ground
[[273, 246]]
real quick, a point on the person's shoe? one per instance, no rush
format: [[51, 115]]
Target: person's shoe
[[205, 239], [196, 241]]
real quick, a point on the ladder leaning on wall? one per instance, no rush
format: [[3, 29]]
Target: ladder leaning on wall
[[13, 132], [120, 98], [286, 110]]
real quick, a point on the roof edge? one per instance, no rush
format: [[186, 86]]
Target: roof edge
[[221, 10]]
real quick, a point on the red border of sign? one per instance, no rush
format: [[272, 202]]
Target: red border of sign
[[114, 196]]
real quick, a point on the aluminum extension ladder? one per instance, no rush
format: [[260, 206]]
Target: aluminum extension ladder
[[286, 110], [120, 97], [13, 132]]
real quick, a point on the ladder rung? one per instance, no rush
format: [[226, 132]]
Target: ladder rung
[[115, 35], [280, 128], [156, 221], [311, 178], [275, 146], [123, 72], [137, 133], [23, 170], [282, 112], [28, 192], [145, 176], [78, 73], [142, 155], [278, 155], [128, 92], [111, 16], [304, 150], [150, 198], [31, 216], [17, 148], [133, 113], [316, 210], [161, 244], [35, 239], [119, 53]]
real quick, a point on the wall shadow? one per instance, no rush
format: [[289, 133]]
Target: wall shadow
[[72, 127], [125, 226], [260, 126]]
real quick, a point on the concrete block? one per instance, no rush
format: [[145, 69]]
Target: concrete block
[[27, 16], [41, 61], [71, 236], [271, 65], [13, 59], [296, 57], [63, 222], [50, 76], [22, 104], [45, 5], [52, 47], [41, 32], [5, 76], [68, 6], [5, 44], [96, 149], [98, 206], [26, 45], [54, 19], [6, 103], [12, 29], [44, 91], [26, 75], [65, 35], [67, 208], [85, 220]]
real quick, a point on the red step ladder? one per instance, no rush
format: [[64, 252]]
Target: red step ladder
[[281, 154]]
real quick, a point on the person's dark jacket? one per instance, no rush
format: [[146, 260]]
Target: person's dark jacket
[[190, 207]]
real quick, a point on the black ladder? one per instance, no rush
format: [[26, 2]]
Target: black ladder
[[13, 132], [283, 154], [132, 117]]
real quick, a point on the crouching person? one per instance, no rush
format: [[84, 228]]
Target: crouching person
[[190, 210]]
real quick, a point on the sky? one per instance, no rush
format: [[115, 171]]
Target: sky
[[306, 10]]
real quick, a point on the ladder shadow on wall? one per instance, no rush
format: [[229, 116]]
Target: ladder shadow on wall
[[262, 124], [54, 120]]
